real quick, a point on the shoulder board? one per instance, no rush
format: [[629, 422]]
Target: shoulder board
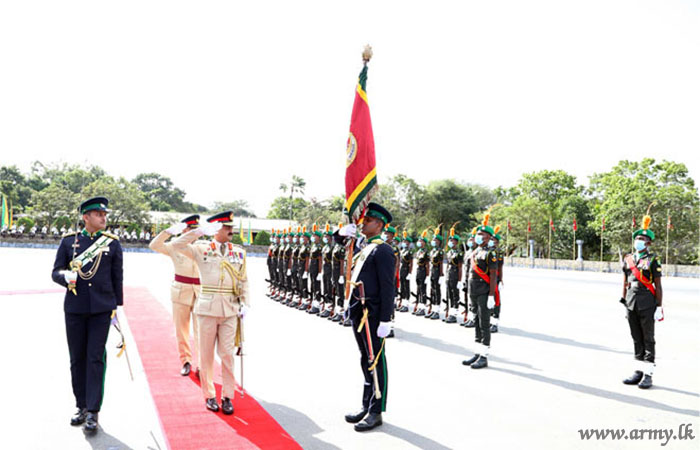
[[70, 233], [110, 235]]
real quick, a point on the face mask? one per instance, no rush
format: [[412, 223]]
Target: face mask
[[404, 245], [434, 243], [384, 237], [640, 245], [491, 244], [470, 244], [479, 239], [325, 240], [420, 244], [294, 240]]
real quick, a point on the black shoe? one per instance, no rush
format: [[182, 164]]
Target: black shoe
[[470, 361], [470, 323], [90, 426], [226, 406], [347, 322], [186, 368], [212, 405], [356, 417], [646, 382], [391, 334], [451, 319], [435, 316], [325, 313], [79, 417], [480, 363], [635, 378], [336, 317], [494, 328], [403, 309], [420, 313], [313, 310], [372, 420]]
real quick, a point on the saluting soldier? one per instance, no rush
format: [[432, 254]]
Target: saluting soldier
[[89, 264], [642, 294], [314, 269], [437, 255], [405, 271], [184, 289], [338, 274], [327, 257], [422, 259], [454, 276], [496, 313], [374, 269], [222, 304], [483, 276]]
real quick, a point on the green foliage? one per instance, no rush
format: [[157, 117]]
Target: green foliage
[[126, 201], [280, 208], [237, 239], [28, 222], [161, 193], [240, 208], [54, 201], [262, 238]]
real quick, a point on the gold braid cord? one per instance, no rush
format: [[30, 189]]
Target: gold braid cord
[[237, 276], [77, 266]]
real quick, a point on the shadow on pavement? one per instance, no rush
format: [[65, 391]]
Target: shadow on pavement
[[557, 340], [105, 441], [676, 391], [438, 344], [602, 393], [298, 425], [410, 437]]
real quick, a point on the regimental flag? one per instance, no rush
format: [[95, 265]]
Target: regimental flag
[[360, 164], [4, 217], [575, 225], [551, 224]]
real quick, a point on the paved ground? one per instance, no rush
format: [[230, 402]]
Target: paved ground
[[556, 367]]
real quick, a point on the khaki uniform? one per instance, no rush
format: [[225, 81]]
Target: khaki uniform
[[224, 288], [183, 296]]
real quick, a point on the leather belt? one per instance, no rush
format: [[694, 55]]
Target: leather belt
[[186, 280], [209, 289]]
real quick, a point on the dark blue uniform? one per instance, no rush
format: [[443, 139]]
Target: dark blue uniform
[[87, 315], [378, 277]]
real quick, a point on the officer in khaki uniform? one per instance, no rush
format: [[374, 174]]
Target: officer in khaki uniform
[[222, 301], [183, 291]]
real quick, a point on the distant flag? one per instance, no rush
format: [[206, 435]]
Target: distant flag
[[603, 224], [529, 228], [4, 218], [250, 234], [509, 227], [669, 225], [551, 224], [240, 232], [634, 222], [575, 225]]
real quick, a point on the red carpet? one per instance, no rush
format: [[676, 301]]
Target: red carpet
[[179, 401]]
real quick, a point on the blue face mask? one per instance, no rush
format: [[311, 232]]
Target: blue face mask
[[640, 245], [491, 244], [434, 243], [384, 237], [451, 244], [325, 240], [404, 245], [294, 240], [479, 239], [420, 244], [470, 244]]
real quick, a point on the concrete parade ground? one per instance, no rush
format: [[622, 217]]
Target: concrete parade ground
[[556, 367]]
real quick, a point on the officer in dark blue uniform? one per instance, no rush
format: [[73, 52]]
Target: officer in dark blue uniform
[[376, 265], [89, 265]]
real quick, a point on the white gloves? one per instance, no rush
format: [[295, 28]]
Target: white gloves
[[348, 230], [659, 314], [460, 285], [441, 280], [491, 302], [408, 277], [208, 228], [304, 276], [243, 311], [500, 287], [70, 276], [383, 329], [341, 280], [289, 272], [176, 228], [319, 277]]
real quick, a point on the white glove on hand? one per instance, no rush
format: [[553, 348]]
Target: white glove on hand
[[348, 230], [659, 314], [304, 276], [383, 329], [500, 287], [176, 228], [460, 285], [341, 280], [319, 277], [243, 312], [289, 272], [208, 228], [70, 276], [408, 277], [491, 302]]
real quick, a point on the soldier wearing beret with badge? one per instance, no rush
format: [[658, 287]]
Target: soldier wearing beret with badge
[[437, 274], [454, 275], [405, 271], [222, 302], [184, 289], [642, 295], [370, 314], [89, 265]]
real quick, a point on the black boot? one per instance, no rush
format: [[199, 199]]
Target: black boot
[[372, 420], [356, 417], [186, 368], [226, 406], [635, 378], [90, 426], [470, 361], [480, 363], [646, 382], [494, 328], [404, 309], [79, 417], [212, 405], [451, 319], [325, 313]]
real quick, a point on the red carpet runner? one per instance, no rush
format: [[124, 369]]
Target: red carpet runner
[[186, 422]]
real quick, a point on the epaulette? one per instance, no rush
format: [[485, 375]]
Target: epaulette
[[110, 235], [69, 233]]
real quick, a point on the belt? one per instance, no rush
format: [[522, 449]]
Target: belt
[[186, 280], [209, 289]]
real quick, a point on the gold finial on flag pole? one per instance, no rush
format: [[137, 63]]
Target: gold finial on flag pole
[[367, 54]]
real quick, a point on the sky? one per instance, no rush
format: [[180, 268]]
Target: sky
[[230, 99]]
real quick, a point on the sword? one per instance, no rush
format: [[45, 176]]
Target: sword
[[365, 323], [122, 345], [239, 352]]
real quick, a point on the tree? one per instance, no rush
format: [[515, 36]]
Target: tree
[[128, 204], [329, 210], [297, 184], [448, 202], [240, 208], [161, 192], [53, 202], [262, 238], [280, 207], [406, 200], [16, 187]]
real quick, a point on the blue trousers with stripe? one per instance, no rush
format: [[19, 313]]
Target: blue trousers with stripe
[[369, 400], [87, 337]]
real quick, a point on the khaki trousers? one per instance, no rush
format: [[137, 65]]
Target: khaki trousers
[[181, 318], [219, 331]]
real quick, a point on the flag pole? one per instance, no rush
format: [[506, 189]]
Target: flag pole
[[602, 230], [573, 245], [668, 227], [549, 252]]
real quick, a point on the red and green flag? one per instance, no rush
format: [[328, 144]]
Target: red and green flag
[[360, 164]]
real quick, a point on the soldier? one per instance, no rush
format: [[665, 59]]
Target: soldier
[[314, 270], [89, 265], [303, 269], [643, 296], [327, 274], [405, 271], [184, 289], [44, 231], [389, 236], [222, 304], [454, 276], [294, 270], [496, 313], [287, 268], [483, 273], [270, 264], [338, 274], [275, 240], [468, 307], [436, 275], [422, 259], [374, 269]]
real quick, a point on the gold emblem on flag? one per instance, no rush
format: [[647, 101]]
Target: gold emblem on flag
[[351, 150]]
